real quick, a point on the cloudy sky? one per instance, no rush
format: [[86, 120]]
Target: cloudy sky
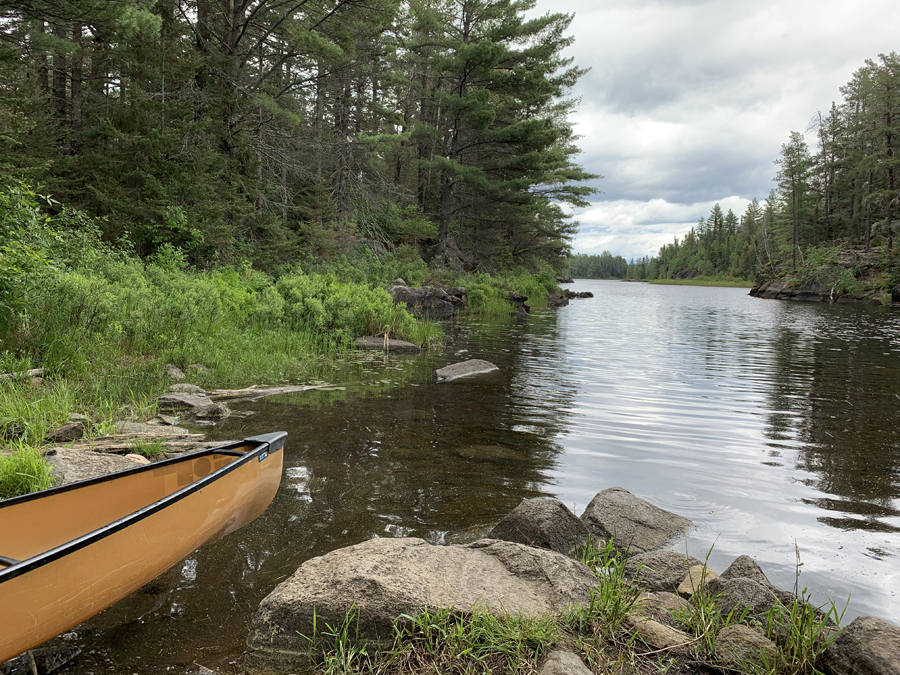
[[688, 101]]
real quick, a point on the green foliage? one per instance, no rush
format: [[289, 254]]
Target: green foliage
[[615, 595], [149, 449], [23, 471]]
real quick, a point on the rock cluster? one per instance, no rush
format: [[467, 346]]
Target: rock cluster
[[522, 569], [779, 289]]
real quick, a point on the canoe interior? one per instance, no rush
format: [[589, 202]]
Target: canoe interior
[[29, 528]]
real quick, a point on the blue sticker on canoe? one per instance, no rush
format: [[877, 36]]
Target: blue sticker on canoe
[[263, 456]]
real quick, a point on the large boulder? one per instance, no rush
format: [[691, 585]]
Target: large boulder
[[659, 570], [468, 368], [383, 579], [868, 646], [544, 523], [431, 301], [634, 525], [745, 567], [69, 465]]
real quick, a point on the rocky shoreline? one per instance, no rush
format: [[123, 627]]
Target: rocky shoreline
[[526, 567]]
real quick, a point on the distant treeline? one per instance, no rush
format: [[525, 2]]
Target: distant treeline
[[845, 190]]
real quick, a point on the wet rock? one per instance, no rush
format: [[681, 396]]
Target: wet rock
[[738, 646], [697, 578], [563, 663], [572, 295], [185, 388], [389, 345], [69, 465], [562, 279], [70, 431], [543, 523], [430, 301], [385, 578], [556, 300], [518, 301], [741, 594], [895, 295], [659, 570], [464, 369], [868, 646], [657, 635], [634, 524], [48, 657], [174, 372]]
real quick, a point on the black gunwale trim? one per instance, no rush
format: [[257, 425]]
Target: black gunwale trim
[[260, 446]]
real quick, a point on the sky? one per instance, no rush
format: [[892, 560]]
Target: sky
[[688, 102]]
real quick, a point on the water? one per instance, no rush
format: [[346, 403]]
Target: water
[[772, 425]]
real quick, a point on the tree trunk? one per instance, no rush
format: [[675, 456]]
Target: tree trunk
[[77, 99], [59, 78]]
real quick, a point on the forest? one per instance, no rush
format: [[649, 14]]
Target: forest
[[278, 131], [840, 192]]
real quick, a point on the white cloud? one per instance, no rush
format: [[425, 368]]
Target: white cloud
[[690, 100]]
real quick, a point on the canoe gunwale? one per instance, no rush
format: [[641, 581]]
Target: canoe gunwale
[[263, 446]]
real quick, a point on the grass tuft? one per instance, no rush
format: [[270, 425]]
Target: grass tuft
[[22, 471]]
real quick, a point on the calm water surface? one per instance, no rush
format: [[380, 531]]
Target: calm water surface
[[772, 425]]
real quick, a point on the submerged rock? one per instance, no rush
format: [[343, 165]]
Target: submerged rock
[[464, 369], [389, 345], [543, 523], [386, 578], [635, 525]]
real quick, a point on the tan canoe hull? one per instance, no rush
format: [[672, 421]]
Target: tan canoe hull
[[88, 545]]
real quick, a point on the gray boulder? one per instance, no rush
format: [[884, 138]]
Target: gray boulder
[[468, 368], [197, 404], [662, 607], [563, 663], [383, 579], [174, 372], [868, 646], [745, 567], [389, 345], [739, 646], [634, 525], [70, 431], [658, 635], [659, 570], [738, 595], [430, 301], [68, 465], [544, 523]]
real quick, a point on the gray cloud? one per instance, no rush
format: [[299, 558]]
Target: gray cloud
[[688, 102]]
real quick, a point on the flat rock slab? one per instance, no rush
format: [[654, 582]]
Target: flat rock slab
[[390, 345], [69, 465], [634, 525], [465, 369], [544, 523], [155, 430], [386, 578], [868, 646]]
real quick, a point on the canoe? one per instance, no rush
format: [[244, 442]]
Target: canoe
[[69, 552]]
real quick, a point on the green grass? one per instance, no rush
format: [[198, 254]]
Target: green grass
[[149, 449], [23, 471]]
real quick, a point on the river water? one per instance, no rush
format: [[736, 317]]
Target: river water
[[773, 426]]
